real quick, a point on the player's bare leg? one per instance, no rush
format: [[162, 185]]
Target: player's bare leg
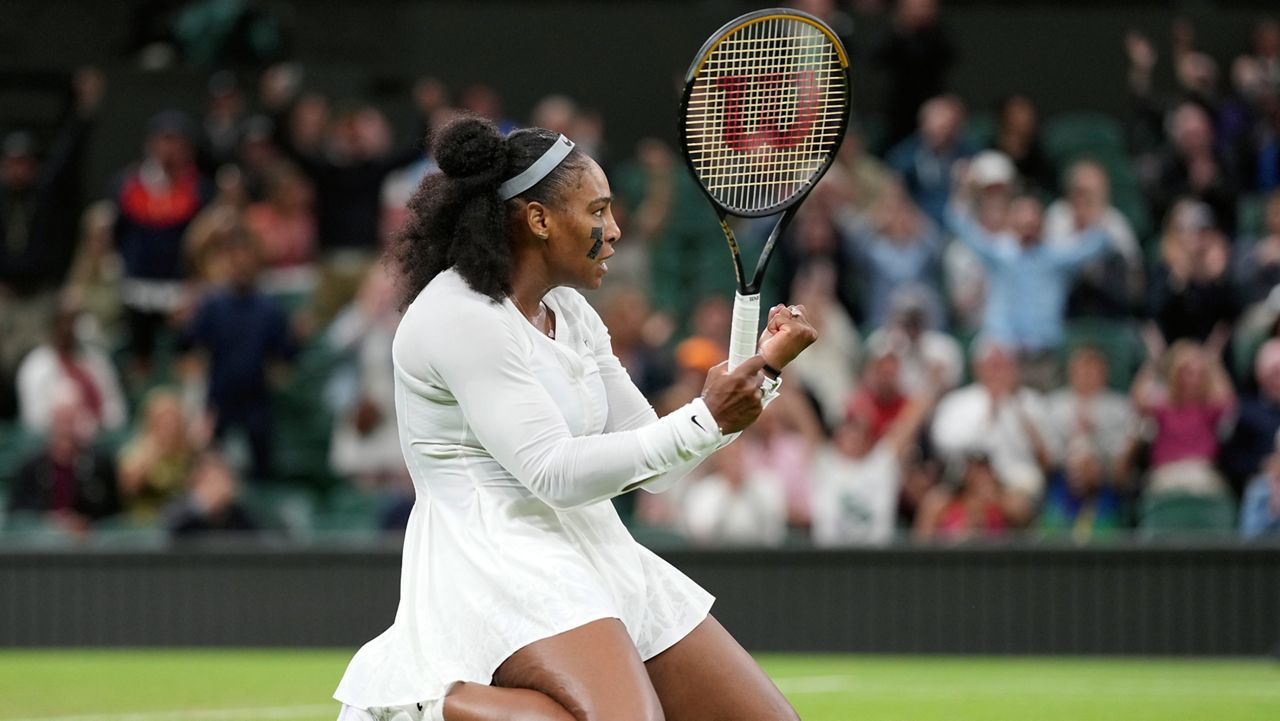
[[476, 702], [591, 673], [708, 676]]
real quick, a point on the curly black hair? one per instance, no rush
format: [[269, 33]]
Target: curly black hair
[[456, 219]]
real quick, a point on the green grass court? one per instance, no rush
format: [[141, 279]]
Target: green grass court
[[295, 686]]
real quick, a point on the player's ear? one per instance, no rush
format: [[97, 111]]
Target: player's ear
[[538, 219]]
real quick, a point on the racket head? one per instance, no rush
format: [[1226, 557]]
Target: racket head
[[765, 107]]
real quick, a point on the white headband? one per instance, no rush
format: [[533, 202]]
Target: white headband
[[558, 151]]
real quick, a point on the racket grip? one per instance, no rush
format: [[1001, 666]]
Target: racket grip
[[746, 328]]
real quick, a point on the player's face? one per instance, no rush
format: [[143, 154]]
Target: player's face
[[583, 231]]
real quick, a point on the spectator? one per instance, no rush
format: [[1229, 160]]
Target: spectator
[[1257, 422], [857, 481], [1028, 283], [155, 201], [285, 225], [224, 121], [365, 445], [1190, 166], [93, 283], [212, 504], [1257, 269], [1260, 509], [1186, 411], [895, 246], [1088, 412], [1191, 294], [921, 350], [1018, 137], [63, 361], [879, 399], [1004, 420], [814, 240], [780, 445], [208, 235], [39, 204], [1266, 50], [68, 482], [483, 101], [242, 332], [978, 507], [348, 173], [1111, 285], [867, 175], [916, 56], [993, 177], [636, 339], [258, 157], [925, 159], [827, 370], [736, 503], [1081, 500], [154, 465]]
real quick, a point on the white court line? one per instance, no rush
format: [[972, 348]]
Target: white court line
[[274, 713]]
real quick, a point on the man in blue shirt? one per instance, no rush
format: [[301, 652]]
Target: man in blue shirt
[[1260, 508], [1028, 280], [242, 332]]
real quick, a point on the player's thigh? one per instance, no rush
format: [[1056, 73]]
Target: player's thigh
[[708, 676], [594, 671]]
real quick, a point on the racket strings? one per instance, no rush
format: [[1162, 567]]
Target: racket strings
[[766, 110]]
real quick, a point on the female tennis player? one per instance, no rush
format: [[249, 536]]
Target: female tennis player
[[522, 596]]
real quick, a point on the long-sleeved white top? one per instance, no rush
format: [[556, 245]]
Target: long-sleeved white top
[[516, 442]]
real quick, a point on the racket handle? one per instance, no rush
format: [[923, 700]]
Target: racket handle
[[746, 328]]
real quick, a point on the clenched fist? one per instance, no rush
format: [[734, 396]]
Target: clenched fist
[[787, 333]]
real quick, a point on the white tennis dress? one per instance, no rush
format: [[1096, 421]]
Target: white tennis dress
[[516, 442]]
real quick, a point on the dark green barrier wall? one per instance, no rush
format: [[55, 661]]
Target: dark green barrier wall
[[1204, 601]]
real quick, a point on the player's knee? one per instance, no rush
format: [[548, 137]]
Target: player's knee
[[616, 709]]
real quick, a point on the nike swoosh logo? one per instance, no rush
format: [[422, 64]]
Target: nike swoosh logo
[[696, 423]]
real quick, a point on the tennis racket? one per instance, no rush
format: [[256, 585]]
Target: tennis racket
[[765, 108]]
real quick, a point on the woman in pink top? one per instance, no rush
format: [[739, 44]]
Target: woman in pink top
[[1187, 410], [285, 222]]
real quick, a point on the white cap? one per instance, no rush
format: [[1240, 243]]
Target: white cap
[[991, 167]]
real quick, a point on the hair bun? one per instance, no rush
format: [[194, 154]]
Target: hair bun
[[472, 149]]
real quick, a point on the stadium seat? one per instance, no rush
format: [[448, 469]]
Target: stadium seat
[[281, 506], [1178, 513], [348, 514], [16, 445], [1072, 134]]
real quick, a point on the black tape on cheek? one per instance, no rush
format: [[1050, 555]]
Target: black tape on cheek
[[597, 234]]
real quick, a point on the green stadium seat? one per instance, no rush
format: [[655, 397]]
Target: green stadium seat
[[281, 506], [26, 529], [16, 445], [349, 511], [1073, 134], [1163, 514]]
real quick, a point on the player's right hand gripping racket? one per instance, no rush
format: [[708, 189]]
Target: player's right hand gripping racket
[[765, 108]]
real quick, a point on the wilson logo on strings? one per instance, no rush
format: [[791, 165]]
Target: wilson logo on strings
[[754, 107]]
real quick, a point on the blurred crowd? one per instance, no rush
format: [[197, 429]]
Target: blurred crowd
[[1065, 328]]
